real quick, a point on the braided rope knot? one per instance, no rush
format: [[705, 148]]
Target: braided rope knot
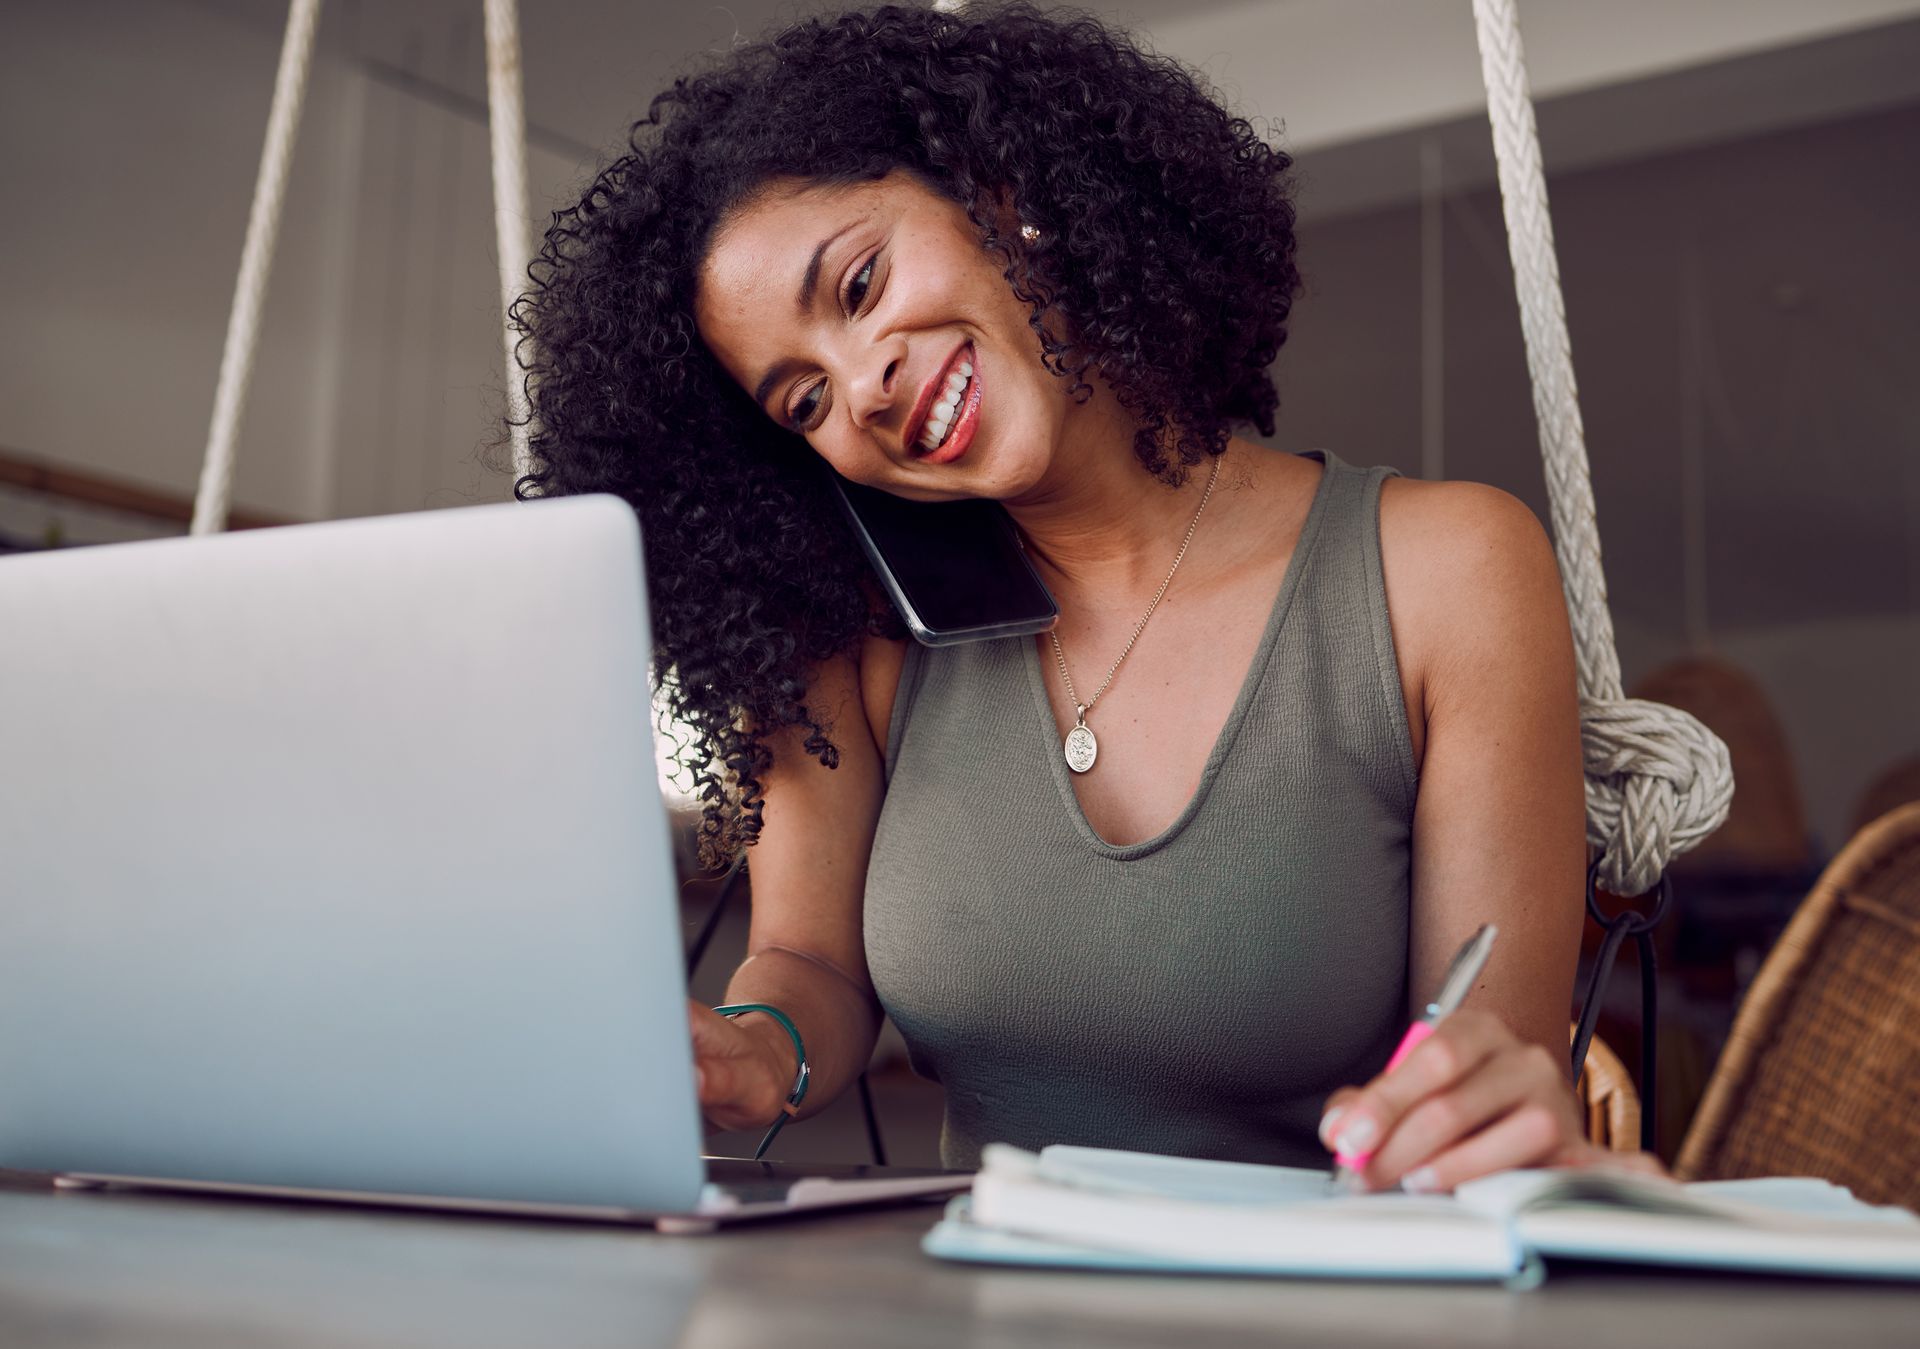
[[1658, 782]]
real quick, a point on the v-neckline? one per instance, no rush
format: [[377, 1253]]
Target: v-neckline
[[1223, 743]]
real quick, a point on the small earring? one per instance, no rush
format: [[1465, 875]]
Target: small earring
[[1030, 233]]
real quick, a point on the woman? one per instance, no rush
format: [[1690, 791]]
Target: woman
[[1007, 255]]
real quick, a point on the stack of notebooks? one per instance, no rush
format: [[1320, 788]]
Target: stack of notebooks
[[1092, 1208]]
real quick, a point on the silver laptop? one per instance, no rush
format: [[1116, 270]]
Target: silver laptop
[[333, 861]]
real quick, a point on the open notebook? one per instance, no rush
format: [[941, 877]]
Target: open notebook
[[1099, 1209]]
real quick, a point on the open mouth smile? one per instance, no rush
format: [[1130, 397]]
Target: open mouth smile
[[952, 413]]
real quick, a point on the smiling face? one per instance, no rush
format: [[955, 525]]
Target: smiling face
[[869, 319]]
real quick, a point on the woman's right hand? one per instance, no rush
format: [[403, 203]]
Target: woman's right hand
[[741, 1074]]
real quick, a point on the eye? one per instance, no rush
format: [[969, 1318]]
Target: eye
[[804, 415], [858, 285]]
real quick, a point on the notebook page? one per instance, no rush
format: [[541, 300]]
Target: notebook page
[[1152, 1173], [1869, 1249], [1779, 1226], [1808, 1196], [1375, 1236], [1773, 1201]]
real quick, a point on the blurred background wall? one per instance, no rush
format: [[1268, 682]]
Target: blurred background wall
[[1736, 195]]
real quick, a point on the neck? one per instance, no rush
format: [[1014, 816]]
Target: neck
[[1103, 526]]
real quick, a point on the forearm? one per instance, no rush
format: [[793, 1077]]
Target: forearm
[[838, 1018]]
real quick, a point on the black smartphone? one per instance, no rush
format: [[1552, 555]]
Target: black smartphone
[[955, 569]]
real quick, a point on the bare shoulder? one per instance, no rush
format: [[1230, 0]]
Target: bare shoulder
[[1471, 578], [1464, 528], [851, 696], [1474, 597]]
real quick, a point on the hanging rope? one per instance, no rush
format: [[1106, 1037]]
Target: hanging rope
[[1658, 781], [211, 502], [507, 123]]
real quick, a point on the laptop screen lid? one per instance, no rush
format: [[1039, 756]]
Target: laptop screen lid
[[333, 857]]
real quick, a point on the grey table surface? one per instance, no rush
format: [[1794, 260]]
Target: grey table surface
[[156, 1271]]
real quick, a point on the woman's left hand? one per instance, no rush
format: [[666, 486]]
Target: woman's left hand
[[1471, 1099]]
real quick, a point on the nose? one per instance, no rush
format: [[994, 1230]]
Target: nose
[[876, 393]]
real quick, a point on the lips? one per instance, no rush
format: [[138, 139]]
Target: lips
[[966, 420], [923, 406]]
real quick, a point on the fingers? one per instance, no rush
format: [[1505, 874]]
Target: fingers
[[1506, 1085], [1528, 1135], [1469, 1100], [711, 1031], [713, 1081], [710, 1079], [1335, 1107], [1455, 1049], [1332, 1112], [732, 1080]]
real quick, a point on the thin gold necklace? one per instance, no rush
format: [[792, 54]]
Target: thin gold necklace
[[1080, 747]]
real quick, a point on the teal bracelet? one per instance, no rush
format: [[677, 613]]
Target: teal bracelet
[[799, 1092]]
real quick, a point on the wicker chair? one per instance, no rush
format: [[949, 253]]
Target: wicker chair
[[1822, 1073], [1608, 1098]]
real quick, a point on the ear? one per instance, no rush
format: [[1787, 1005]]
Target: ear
[[1003, 214]]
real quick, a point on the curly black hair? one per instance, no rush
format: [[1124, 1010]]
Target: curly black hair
[[1164, 267]]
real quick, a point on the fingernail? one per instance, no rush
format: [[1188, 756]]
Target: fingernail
[[1326, 1124], [1423, 1181], [699, 1081], [1357, 1137]]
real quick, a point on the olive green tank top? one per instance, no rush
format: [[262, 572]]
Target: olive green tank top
[[1198, 993]]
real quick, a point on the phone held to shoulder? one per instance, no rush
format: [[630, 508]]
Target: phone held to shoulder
[[955, 569]]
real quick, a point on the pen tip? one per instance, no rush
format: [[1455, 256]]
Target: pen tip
[[1343, 1180]]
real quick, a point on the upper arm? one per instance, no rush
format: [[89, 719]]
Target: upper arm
[[1499, 824], [816, 831]]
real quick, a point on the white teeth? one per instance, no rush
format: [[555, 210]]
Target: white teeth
[[946, 408]]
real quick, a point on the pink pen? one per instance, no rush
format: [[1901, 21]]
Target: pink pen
[[1461, 974]]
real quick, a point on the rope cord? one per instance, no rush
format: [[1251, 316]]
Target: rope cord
[[1658, 782], [211, 501], [507, 126]]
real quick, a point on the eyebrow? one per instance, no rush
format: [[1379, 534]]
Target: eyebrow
[[802, 302]]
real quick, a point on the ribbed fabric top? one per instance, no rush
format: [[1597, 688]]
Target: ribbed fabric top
[[1198, 993]]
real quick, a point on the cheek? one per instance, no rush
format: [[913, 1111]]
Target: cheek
[[849, 455]]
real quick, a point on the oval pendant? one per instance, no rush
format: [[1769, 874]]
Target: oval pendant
[[1081, 748]]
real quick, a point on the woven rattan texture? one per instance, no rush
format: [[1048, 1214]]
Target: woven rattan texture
[[1822, 1074], [1607, 1094]]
